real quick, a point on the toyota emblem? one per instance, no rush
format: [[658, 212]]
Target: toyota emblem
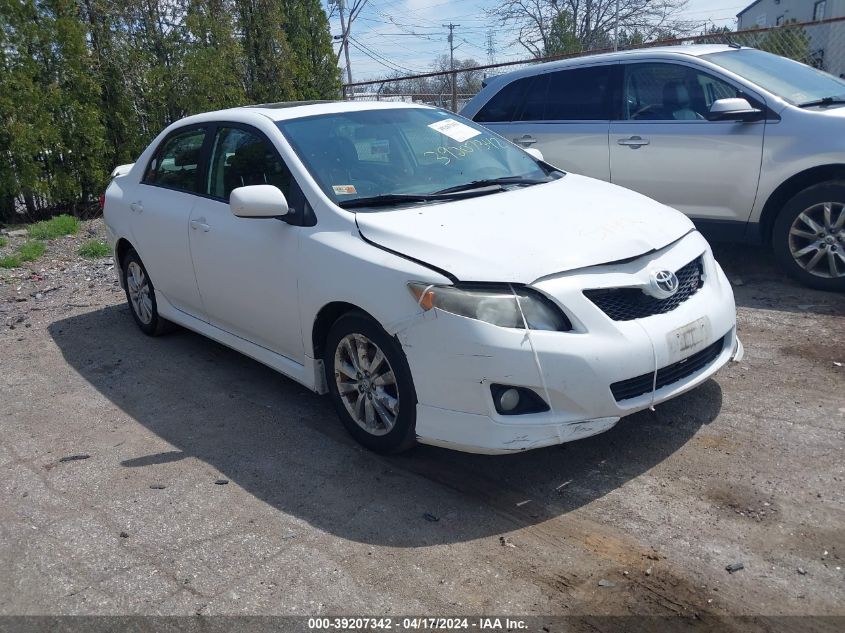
[[662, 284]]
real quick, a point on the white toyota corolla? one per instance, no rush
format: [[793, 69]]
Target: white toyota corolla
[[440, 283]]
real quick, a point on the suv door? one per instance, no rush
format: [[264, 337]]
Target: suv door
[[665, 148], [247, 268], [160, 207], [563, 113]]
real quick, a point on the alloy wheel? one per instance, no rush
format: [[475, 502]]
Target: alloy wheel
[[366, 384], [817, 240], [139, 293]]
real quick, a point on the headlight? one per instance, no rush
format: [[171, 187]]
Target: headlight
[[496, 305]]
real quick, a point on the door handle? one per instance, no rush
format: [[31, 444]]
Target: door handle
[[635, 142], [200, 224], [137, 207], [525, 139]]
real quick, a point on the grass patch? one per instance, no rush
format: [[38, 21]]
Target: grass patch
[[27, 252], [94, 249], [30, 251], [3, 242], [54, 227]]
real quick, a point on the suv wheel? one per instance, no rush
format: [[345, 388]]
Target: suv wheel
[[370, 384], [140, 294], [808, 236]]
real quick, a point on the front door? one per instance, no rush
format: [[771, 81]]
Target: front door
[[664, 146], [246, 268]]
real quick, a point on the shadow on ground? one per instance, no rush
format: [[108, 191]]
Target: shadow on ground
[[284, 444], [759, 283]]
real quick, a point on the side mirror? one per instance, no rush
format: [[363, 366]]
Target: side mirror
[[258, 201], [536, 153], [735, 109]]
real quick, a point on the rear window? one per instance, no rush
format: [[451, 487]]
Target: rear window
[[581, 94]]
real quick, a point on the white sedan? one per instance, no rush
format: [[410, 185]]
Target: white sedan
[[440, 283]]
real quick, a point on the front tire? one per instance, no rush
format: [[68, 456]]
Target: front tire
[[140, 294], [370, 384], [808, 236]]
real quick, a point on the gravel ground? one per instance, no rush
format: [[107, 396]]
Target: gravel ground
[[748, 468]]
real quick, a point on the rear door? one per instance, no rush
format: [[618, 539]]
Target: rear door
[[160, 207], [563, 113], [665, 148]]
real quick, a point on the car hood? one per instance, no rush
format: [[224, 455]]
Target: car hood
[[523, 234]]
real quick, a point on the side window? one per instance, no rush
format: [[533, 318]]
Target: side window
[[671, 92], [503, 106], [240, 158], [580, 94], [176, 162]]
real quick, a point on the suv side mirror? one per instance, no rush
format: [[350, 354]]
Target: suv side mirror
[[258, 201], [736, 109]]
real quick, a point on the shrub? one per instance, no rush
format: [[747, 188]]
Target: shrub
[[3, 242], [94, 249], [54, 227]]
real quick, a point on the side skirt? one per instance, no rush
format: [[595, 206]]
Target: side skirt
[[310, 374]]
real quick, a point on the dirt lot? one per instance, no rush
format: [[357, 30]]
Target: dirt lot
[[749, 468]]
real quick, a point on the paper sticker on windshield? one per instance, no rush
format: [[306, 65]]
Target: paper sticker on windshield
[[454, 130], [343, 190]]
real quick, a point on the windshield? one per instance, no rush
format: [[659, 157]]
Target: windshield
[[788, 79], [405, 155]]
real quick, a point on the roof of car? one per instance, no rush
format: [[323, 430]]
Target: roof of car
[[693, 50], [296, 109]]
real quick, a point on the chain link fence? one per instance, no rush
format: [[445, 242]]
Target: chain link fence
[[819, 44]]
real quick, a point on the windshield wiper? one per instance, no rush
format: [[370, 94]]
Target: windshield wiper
[[822, 102], [491, 182], [385, 200], [469, 190]]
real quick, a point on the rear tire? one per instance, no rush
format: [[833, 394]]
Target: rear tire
[[808, 236], [140, 294], [370, 384]]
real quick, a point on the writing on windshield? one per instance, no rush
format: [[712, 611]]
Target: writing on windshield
[[446, 154]]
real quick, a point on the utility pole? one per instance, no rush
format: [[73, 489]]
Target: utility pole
[[491, 48], [452, 28], [616, 29], [341, 4]]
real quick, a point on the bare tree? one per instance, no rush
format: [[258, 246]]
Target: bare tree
[[592, 21]]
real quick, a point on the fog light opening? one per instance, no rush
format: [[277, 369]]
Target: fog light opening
[[511, 400]]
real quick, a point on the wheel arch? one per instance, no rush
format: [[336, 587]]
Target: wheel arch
[[324, 320], [122, 247], [791, 187]]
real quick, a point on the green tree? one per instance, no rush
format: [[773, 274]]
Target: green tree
[[213, 63], [562, 38], [788, 41], [267, 55], [313, 61]]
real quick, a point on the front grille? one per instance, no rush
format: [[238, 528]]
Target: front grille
[[633, 387], [626, 304]]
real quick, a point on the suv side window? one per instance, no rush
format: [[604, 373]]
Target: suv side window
[[504, 105], [241, 158], [580, 94], [671, 92], [176, 161]]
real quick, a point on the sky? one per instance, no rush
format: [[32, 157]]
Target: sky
[[407, 36]]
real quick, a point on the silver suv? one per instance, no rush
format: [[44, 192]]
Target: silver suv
[[750, 145]]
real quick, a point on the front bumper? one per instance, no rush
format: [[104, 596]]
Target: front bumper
[[454, 359]]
